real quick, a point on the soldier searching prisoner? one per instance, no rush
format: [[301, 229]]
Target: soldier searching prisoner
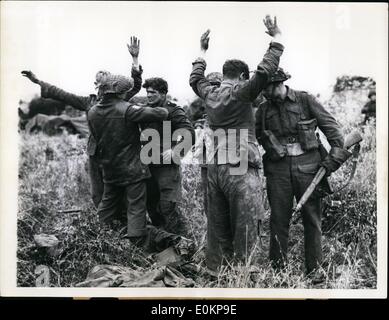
[[84, 103]]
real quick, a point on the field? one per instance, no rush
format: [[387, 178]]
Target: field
[[53, 177]]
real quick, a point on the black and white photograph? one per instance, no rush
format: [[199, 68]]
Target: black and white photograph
[[193, 149]]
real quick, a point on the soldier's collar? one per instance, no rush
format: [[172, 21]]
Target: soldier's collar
[[291, 94], [228, 82], [163, 103]]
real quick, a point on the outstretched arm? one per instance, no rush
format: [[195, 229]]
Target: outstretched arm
[[146, 114], [133, 49], [136, 71], [197, 78], [82, 103], [269, 64]]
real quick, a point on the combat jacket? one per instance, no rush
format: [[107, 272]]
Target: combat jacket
[[84, 103], [229, 106], [114, 125], [178, 120], [282, 119]]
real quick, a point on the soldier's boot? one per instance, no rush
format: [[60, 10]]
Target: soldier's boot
[[317, 276]]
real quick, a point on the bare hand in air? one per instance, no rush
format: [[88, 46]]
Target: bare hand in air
[[272, 27], [133, 48], [204, 40]]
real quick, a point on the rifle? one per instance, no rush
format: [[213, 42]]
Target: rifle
[[354, 138]]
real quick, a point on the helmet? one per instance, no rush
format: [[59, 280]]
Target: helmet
[[279, 76], [114, 83], [101, 76], [215, 78]]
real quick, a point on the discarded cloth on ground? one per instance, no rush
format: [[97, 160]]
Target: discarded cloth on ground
[[117, 276], [168, 250]]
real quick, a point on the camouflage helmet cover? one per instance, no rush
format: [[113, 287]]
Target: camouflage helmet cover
[[113, 83], [279, 76]]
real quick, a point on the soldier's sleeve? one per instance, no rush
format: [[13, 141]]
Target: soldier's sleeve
[[137, 76], [197, 80], [180, 120], [146, 114], [326, 122], [269, 64], [82, 103], [258, 123]]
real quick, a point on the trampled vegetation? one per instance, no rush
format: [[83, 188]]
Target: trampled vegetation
[[53, 177]]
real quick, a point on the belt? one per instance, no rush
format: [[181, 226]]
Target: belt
[[287, 140], [293, 149]]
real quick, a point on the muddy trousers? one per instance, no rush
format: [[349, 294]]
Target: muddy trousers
[[286, 179], [234, 211], [97, 186], [163, 193], [135, 194]]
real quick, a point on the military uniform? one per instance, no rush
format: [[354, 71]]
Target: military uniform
[[114, 126], [84, 103], [200, 154], [164, 185], [199, 119], [234, 201], [289, 176]]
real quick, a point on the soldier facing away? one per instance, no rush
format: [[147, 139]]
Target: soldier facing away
[[200, 122], [84, 103], [113, 122], [234, 202], [285, 126]]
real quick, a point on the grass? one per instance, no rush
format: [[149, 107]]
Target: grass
[[53, 177]]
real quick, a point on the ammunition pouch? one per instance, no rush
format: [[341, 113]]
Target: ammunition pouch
[[274, 149], [306, 132]]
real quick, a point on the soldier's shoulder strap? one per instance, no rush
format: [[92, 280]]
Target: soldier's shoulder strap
[[174, 109], [173, 105]]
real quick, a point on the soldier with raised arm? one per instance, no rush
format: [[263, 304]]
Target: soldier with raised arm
[[235, 208], [84, 103], [113, 123]]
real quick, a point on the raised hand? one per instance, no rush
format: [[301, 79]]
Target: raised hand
[[133, 48], [31, 76], [272, 27], [204, 40]]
